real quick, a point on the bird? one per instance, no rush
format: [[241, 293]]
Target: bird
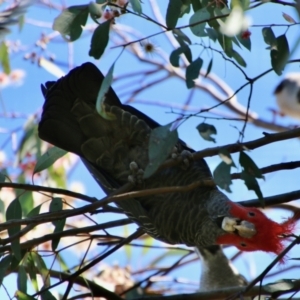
[[113, 148], [217, 272], [287, 95]]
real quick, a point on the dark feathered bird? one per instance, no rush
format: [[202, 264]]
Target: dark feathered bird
[[200, 217]]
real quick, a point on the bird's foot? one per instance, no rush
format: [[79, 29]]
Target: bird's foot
[[185, 155], [136, 174], [241, 227], [275, 114]]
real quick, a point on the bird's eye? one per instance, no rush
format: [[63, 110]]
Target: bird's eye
[[251, 214], [243, 244]]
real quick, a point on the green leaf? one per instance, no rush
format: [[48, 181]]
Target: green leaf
[[29, 143], [4, 265], [31, 269], [2, 177], [95, 11], [249, 165], [4, 58], [181, 37], [136, 5], [2, 208], [57, 205], [41, 268], [222, 176], [206, 130], [14, 212], [197, 18], [269, 36], [196, 5], [238, 58], [46, 295], [246, 42], [280, 55], [161, 143], [106, 83], [21, 22], [252, 184], [70, 22], [226, 157], [244, 4], [100, 39], [227, 45], [48, 159], [26, 201], [22, 279], [127, 248], [209, 68], [62, 264], [212, 33], [175, 55], [185, 8], [184, 42], [148, 241], [192, 72], [23, 296], [173, 13], [35, 211]]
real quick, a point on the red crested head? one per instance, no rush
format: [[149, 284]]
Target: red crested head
[[268, 235]]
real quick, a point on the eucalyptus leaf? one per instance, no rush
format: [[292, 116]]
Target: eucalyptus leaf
[[48, 159], [22, 279], [161, 143], [23, 296], [280, 55], [57, 205], [222, 176], [4, 58], [249, 165], [4, 265], [206, 130], [173, 13], [252, 184], [192, 72], [209, 68], [70, 22], [198, 22], [238, 58], [106, 83], [175, 55], [269, 36], [136, 5], [14, 212], [100, 39]]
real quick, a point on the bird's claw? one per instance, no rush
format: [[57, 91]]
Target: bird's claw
[[242, 228], [137, 175], [186, 156]]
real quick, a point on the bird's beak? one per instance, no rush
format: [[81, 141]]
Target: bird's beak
[[242, 228]]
